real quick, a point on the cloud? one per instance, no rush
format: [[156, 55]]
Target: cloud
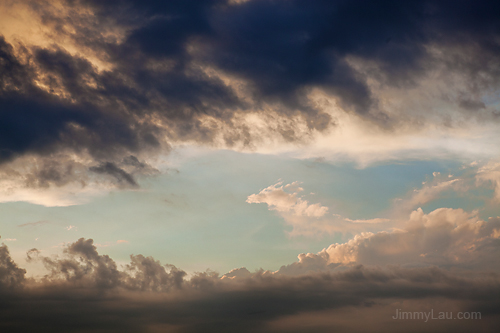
[[11, 276], [33, 224], [277, 199], [306, 219], [93, 294], [375, 220], [237, 273], [112, 80], [64, 178], [430, 191], [445, 237], [119, 174], [308, 263], [310, 220], [490, 173]]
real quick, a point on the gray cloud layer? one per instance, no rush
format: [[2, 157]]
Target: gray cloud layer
[[85, 291]]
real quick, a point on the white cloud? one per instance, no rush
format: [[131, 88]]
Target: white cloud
[[307, 219], [278, 199], [443, 237], [308, 263], [237, 273]]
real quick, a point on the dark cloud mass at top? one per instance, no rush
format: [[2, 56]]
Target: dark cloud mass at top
[[157, 88]]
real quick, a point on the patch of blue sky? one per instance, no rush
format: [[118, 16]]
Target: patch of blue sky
[[473, 199], [198, 218]]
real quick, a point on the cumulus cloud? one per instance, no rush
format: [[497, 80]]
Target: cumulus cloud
[[278, 199], [305, 219], [94, 294], [311, 220], [11, 276], [242, 272], [445, 237]]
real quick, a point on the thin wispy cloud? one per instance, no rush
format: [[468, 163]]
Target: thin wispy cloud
[[33, 224]]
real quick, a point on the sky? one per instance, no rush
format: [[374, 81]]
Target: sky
[[249, 166]]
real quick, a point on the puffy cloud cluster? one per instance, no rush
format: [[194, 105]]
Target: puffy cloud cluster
[[304, 218], [311, 220], [445, 237], [85, 291], [82, 265], [278, 199], [11, 276]]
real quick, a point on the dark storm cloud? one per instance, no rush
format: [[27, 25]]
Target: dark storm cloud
[[285, 46], [85, 291], [157, 85], [33, 120]]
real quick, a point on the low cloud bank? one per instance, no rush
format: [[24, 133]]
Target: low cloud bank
[[444, 260]]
